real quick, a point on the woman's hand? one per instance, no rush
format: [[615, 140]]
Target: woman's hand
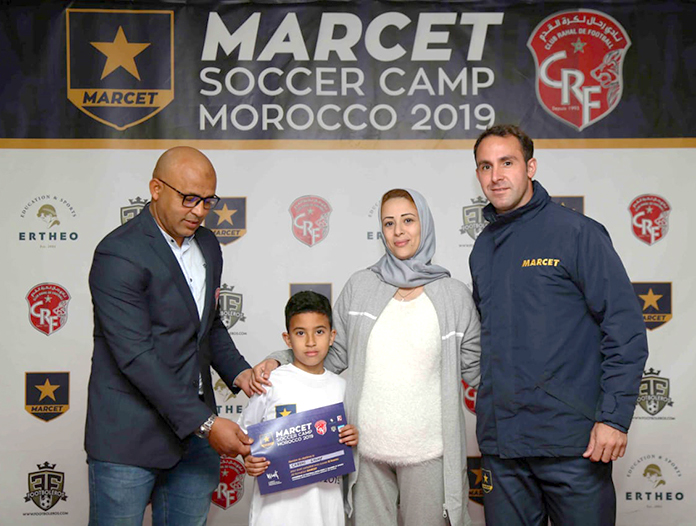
[[260, 374], [348, 435]]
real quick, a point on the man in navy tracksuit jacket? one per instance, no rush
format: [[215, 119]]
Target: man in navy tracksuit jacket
[[563, 348]]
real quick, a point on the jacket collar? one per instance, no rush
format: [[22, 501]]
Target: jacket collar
[[539, 200]]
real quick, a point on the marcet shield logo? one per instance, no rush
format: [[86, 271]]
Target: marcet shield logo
[[655, 300], [47, 395], [579, 65], [228, 219], [120, 64]]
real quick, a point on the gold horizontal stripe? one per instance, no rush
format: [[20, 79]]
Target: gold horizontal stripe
[[222, 144]]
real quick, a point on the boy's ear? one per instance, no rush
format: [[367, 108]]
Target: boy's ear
[[333, 336], [286, 339]]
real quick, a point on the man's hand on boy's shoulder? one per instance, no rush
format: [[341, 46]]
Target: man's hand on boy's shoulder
[[255, 466], [348, 435]]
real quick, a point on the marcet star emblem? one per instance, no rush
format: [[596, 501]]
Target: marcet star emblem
[[225, 215], [578, 46], [120, 54], [285, 412], [47, 390], [479, 475], [650, 299]]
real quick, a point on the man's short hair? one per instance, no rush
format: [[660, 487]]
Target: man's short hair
[[505, 130], [307, 301]]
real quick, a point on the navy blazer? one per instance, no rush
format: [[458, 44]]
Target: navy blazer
[[150, 347]]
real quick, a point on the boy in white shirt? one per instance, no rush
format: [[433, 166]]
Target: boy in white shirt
[[296, 387]]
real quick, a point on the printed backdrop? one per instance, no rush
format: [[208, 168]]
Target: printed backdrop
[[310, 111]]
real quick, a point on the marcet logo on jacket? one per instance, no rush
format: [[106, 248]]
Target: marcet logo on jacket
[[540, 262]]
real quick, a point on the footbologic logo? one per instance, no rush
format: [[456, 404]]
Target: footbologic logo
[[48, 307], [310, 219], [230, 306], [231, 487], [120, 64], [133, 209], [47, 395], [46, 486], [653, 394], [474, 222], [228, 219], [650, 218], [579, 65]]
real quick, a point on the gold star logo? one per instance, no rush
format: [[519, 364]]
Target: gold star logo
[[47, 390], [479, 475], [578, 46], [225, 215], [285, 412], [650, 299], [120, 54]]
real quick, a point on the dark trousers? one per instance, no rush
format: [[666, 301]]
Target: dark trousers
[[530, 491]]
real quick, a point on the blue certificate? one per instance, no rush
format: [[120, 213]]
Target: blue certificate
[[303, 448]]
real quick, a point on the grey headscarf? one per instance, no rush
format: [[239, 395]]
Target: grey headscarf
[[417, 270]]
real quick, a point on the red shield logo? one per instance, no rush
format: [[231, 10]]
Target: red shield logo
[[320, 426], [579, 65], [650, 218], [48, 307], [231, 487], [310, 219], [469, 397]]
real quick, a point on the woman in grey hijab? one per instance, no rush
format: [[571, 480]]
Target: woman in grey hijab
[[408, 334]]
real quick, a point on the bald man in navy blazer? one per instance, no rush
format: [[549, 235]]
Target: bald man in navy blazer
[[152, 433]]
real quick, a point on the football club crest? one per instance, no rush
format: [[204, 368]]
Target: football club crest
[[228, 219], [285, 410], [320, 288], [310, 219], [486, 480], [231, 487], [574, 202], [469, 397], [47, 395], [46, 487], [48, 307], [133, 209], [655, 300], [650, 218], [230, 304], [579, 58], [320, 426], [653, 394], [475, 474], [474, 222], [120, 63]]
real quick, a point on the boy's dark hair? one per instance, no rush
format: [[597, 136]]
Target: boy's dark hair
[[504, 130], [307, 301]]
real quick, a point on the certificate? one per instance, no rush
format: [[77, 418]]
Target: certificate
[[303, 448]]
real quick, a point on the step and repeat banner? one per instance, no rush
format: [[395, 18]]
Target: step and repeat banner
[[310, 111]]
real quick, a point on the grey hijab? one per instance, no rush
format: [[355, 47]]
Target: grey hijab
[[417, 270]]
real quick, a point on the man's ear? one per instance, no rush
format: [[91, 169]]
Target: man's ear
[[531, 167], [155, 189]]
